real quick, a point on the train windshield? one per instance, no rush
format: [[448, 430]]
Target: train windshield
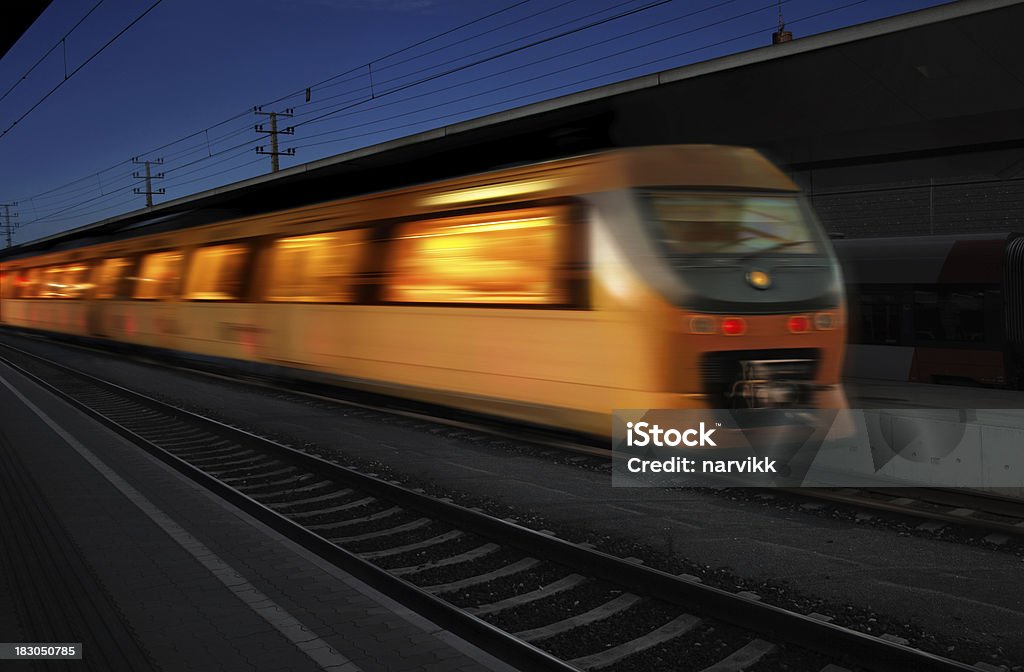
[[743, 224]]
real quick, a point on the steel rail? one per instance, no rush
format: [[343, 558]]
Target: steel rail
[[837, 642], [481, 633], [500, 429]]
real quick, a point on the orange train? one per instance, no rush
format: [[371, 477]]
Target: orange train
[[654, 277]]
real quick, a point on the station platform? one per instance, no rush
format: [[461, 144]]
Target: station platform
[[103, 544], [874, 393]]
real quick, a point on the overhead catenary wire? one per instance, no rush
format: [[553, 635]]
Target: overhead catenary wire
[[84, 63], [656, 3], [101, 173], [62, 42], [576, 29], [565, 32], [464, 56], [358, 73], [403, 50], [245, 146], [570, 85], [621, 70], [205, 155], [559, 55], [248, 111]]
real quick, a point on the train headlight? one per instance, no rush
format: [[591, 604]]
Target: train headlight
[[759, 279], [703, 325], [824, 321]]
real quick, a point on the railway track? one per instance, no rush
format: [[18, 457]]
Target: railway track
[[999, 517], [534, 600], [937, 508]]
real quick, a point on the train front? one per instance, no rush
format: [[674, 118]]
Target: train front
[[740, 285]]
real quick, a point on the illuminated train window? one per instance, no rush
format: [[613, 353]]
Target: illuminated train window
[[63, 282], [108, 276], [217, 273], [159, 275], [29, 285], [506, 258], [321, 268], [51, 283]]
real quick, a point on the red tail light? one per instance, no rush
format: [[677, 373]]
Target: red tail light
[[798, 324], [734, 326]]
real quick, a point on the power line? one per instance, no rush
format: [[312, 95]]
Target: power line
[[357, 71], [60, 42], [402, 50], [493, 57], [221, 172], [86, 213], [248, 110], [205, 144], [487, 59], [571, 85], [98, 174], [68, 76], [560, 55], [492, 104], [176, 181], [459, 58], [507, 42]]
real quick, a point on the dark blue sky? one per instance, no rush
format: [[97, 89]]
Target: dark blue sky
[[190, 65]]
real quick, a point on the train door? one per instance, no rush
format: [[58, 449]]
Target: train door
[[311, 284]]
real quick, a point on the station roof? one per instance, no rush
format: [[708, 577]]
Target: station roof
[[937, 82], [15, 18]]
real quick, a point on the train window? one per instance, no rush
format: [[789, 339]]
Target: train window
[[927, 316], [64, 282], [108, 276], [719, 223], [29, 284], [217, 273], [506, 258], [320, 268], [965, 316], [879, 312], [49, 282], [955, 315], [937, 315], [159, 275]]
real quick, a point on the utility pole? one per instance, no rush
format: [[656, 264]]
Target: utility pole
[[273, 132], [148, 177], [7, 226]]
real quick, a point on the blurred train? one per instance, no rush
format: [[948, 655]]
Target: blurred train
[[936, 309], [654, 277]]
